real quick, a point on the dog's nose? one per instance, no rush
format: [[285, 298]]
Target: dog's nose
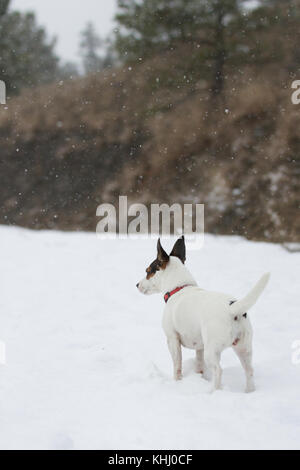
[[137, 285]]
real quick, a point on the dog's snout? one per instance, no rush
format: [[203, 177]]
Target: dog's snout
[[138, 285]]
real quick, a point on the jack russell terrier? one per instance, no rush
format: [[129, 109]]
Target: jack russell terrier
[[198, 319]]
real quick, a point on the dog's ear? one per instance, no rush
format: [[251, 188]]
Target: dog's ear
[[179, 249], [161, 254]]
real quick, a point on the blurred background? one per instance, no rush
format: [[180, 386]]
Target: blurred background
[[160, 100]]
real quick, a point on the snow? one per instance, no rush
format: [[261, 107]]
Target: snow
[[87, 363]]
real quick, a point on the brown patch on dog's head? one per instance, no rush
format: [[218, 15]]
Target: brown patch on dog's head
[[159, 263], [155, 266]]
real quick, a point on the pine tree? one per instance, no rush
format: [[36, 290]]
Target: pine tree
[[4, 4], [90, 47], [152, 26], [274, 34], [27, 57]]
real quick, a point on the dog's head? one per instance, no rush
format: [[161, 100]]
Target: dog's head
[[157, 270]]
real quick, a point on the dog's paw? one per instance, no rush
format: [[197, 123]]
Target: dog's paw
[[250, 388], [178, 375], [206, 375], [214, 389]]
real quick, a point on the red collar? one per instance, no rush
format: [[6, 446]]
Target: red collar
[[169, 294]]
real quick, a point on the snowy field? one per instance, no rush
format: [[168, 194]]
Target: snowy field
[[87, 362]]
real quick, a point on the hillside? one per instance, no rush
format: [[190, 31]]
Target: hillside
[[67, 147]]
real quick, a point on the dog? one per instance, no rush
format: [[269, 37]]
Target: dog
[[205, 321]]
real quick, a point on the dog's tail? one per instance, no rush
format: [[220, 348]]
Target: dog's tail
[[240, 307]]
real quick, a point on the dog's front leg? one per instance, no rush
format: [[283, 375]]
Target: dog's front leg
[[175, 350]]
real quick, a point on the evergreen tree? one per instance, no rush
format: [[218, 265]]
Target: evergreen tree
[[67, 71], [152, 26], [26, 55], [90, 47], [274, 34], [4, 4]]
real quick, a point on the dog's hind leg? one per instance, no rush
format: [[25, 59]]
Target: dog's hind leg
[[175, 350], [199, 361], [212, 359], [244, 353]]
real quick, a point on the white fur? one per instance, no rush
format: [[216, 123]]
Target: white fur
[[204, 321]]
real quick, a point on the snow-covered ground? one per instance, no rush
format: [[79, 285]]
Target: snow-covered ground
[[87, 362]]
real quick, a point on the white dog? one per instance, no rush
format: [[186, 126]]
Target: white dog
[[198, 319]]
